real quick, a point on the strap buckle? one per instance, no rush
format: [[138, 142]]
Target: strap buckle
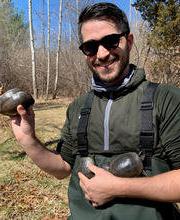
[[146, 106], [85, 111]]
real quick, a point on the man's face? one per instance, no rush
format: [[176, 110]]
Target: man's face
[[109, 65]]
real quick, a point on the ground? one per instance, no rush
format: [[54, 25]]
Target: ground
[[26, 192]]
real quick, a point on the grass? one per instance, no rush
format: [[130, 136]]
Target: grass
[[26, 192]]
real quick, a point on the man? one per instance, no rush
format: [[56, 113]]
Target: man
[[113, 128]]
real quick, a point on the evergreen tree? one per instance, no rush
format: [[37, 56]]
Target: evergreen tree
[[13, 29], [163, 17]]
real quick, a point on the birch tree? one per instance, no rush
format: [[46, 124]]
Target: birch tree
[[130, 12], [58, 49], [77, 8], [32, 49], [43, 27], [48, 50]]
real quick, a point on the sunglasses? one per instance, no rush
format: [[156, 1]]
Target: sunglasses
[[90, 48]]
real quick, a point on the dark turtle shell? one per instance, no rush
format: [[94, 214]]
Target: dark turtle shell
[[12, 98], [83, 163], [126, 165]]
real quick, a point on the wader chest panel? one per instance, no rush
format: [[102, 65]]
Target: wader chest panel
[[146, 133]]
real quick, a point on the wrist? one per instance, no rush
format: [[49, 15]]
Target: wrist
[[30, 141], [120, 187]]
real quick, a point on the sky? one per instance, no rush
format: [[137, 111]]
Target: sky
[[22, 6]]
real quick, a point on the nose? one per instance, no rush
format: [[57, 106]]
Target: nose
[[102, 52]]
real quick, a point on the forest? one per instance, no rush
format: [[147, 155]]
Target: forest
[[47, 63]]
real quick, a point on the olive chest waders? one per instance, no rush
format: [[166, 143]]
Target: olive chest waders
[[119, 209]]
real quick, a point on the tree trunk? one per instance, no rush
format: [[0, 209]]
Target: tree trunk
[[130, 12], [43, 28], [32, 49], [58, 49], [77, 8], [48, 51]]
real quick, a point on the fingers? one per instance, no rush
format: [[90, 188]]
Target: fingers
[[95, 204], [23, 115], [87, 196], [84, 186], [94, 168], [82, 177], [83, 182]]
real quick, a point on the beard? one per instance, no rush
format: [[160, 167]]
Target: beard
[[114, 74]]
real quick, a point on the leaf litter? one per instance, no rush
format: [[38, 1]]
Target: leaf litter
[[26, 192]]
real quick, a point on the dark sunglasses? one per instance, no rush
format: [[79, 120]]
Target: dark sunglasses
[[90, 48]]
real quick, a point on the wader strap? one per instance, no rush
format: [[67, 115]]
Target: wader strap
[[147, 129], [83, 123]]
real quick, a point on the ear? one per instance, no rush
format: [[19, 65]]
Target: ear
[[130, 40]]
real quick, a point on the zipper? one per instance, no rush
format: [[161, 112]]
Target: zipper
[[106, 124]]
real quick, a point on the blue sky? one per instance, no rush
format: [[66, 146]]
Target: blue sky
[[22, 6]]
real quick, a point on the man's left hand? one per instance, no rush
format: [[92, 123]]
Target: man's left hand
[[99, 189]]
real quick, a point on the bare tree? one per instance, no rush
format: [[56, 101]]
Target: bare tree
[[48, 51], [58, 48], [32, 49], [130, 11], [1, 88], [70, 33], [77, 9], [43, 27]]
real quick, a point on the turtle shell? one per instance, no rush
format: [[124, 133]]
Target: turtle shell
[[12, 98], [83, 166], [126, 165]]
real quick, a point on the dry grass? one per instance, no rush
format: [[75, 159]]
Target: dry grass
[[26, 191]]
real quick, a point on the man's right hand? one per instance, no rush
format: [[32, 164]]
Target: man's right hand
[[23, 126]]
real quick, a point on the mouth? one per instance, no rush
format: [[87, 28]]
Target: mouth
[[105, 64]]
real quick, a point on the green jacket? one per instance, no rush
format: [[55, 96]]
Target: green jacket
[[114, 128]]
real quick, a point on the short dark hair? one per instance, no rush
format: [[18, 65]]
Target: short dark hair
[[104, 11]]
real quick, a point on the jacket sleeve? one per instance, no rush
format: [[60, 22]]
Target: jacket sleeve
[[168, 113], [65, 145]]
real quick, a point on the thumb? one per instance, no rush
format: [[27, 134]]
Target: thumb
[[15, 119], [93, 168], [21, 110]]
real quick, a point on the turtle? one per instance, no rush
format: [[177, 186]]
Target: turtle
[[124, 165], [12, 98], [83, 166]]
